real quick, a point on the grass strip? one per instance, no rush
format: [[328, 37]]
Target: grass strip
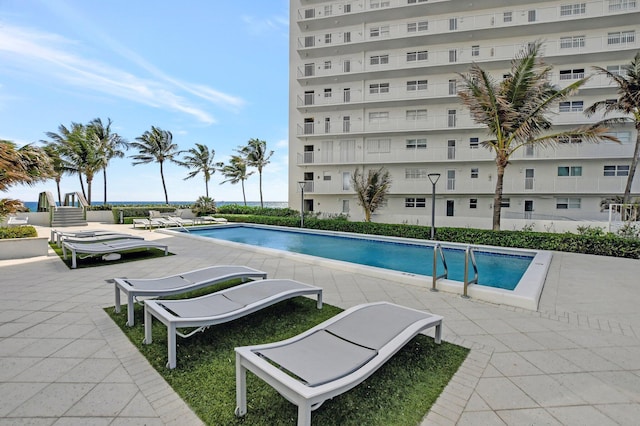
[[400, 393], [127, 256]]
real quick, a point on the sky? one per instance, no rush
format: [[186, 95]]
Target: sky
[[213, 72]]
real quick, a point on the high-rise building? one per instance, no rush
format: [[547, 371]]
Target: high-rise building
[[374, 83]]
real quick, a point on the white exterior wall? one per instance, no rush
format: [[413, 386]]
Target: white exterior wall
[[380, 108]]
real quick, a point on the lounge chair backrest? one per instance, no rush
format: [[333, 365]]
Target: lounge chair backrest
[[154, 214]]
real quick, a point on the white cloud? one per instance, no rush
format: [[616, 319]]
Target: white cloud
[[262, 25], [45, 55]]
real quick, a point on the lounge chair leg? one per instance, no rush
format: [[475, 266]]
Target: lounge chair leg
[[130, 308], [148, 322], [171, 345], [241, 388], [117, 299], [319, 303], [74, 263], [438, 335], [304, 415]]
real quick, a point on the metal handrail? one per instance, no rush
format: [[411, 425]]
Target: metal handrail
[[468, 255], [438, 249]]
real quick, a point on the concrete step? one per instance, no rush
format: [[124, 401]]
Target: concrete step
[[68, 216]]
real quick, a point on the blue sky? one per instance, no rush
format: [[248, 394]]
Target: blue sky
[[211, 72]]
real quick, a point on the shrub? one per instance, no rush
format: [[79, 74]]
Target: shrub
[[260, 211], [18, 232]]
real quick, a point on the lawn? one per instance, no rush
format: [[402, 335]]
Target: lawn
[[399, 393]]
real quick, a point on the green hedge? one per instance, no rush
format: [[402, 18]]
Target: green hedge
[[18, 232], [258, 211], [139, 211], [606, 245]]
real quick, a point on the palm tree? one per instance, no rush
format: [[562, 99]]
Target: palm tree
[[257, 156], [20, 166], [200, 160], [80, 152], [156, 145], [371, 190], [628, 103], [58, 164], [109, 145], [515, 111], [235, 171]]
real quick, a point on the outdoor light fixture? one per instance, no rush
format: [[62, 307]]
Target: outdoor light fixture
[[301, 184], [433, 177]]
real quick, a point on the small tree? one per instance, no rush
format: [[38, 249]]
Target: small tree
[[200, 160], [235, 171], [256, 155], [109, 145], [628, 102], [371, 189]]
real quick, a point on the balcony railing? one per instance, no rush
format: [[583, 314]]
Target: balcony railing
[[465, 55]]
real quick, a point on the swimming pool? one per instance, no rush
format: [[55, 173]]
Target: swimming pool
[[500, 271]]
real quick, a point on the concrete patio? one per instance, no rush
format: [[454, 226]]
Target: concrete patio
[[575, 361]]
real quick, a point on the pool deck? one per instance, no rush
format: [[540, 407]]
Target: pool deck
[[574, 361]]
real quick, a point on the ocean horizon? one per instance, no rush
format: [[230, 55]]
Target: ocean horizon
[[33, 205]]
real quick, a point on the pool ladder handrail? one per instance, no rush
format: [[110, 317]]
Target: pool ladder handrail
[[438, 249], [469, 256]]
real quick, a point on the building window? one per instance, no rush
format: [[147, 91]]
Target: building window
[[570, 139], [346, 65], [621, 37], [308, 70], [376, 4], [345, 206], [417, 85], [475, 50], [309, 41], [624, 137], [327, 38], [568, 203], [379, 59], [573, 9], [572, 74], [474, 173], [451, 149], [451, 118], [505, 203], [571, 106], [413, 27], [451, 180], [531, 15], [347, 8], [617, 5], [415, 173], [453, 24], [416, 114], [346, 37], [379, 88], [375, 146], [569, 171], [346, 181], [328, 10], [453, 87], [573, 42], [346, 95], [326, 176], [453, 55], [473, 203], [529, 176], [379, 31], [327, 93], [422, 55], [415, 202], [507, 17], [346, 124], [327, 65], [416, 143], [616, 170], [308, 97], [615, 69], [327, 125], [416, 1], [474, 143], [379, 117]]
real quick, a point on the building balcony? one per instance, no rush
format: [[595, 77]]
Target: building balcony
[[554, 50], [397, 9]]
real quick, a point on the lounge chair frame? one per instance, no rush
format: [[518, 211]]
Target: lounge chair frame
[[159, 309], [179, 283], [94, 249], [309, 398]]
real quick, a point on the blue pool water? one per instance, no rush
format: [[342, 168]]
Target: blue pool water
[[494, 269]]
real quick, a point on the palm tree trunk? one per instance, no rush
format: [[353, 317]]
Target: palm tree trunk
[[164, 186], [89, 181], [497, 197], [244, 197], [104, 175], [260, 175], [632, 169], [59, 193], [82, 185], [206, 187]]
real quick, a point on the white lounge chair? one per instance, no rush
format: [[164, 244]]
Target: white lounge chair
[[219, 307], [213, 219], [180, 221], [18, 221], [146, 223], [57, 235], [179, 283], [100, 238], [93, 249], [332, 357]]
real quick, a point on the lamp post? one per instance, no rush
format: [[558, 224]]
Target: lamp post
[[301, 184], [433, 177]]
